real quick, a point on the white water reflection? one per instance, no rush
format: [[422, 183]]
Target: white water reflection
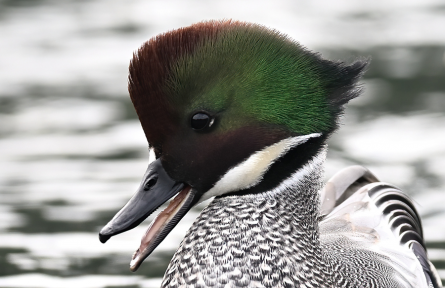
[[411, 138], [60, 115], [120, 137], [96, 281]]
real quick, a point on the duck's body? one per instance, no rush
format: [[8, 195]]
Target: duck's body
[[239, 112], [256, 240], [264, 240]]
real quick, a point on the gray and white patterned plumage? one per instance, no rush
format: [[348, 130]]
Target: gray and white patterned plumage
[[240, 112], [279, 238]]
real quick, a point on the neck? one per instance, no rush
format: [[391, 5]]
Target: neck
[[264, 237], [302, 185], [295, 160]]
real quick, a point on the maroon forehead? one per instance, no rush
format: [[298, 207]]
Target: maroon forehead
[[150, 68]]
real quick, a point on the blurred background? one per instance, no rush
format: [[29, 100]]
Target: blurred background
[[72, 151]]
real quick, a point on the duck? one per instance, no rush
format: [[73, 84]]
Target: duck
[[241, 113]]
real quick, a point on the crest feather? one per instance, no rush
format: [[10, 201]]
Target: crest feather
[[277, 80]]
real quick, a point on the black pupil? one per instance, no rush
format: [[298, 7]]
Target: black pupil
[[200, 121]]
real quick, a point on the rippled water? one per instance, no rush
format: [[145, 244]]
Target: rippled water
[[72, 151]]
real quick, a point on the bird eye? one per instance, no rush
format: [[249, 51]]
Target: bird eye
[[201, 120]]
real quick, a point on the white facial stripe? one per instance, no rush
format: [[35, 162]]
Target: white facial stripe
[[151, 155], [250, 172]]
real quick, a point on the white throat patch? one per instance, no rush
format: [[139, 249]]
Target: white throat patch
[[251, 171]]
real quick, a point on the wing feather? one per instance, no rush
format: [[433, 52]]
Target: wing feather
[[379, 220]]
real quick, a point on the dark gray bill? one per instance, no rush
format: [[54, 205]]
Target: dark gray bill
[[156, 189], [163, 224]]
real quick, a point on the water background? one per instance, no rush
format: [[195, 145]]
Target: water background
[[72, 151]]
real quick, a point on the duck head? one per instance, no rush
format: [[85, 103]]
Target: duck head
[[221, 103]]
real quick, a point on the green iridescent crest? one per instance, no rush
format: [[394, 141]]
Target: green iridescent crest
[[252, 74], [244, 74]]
